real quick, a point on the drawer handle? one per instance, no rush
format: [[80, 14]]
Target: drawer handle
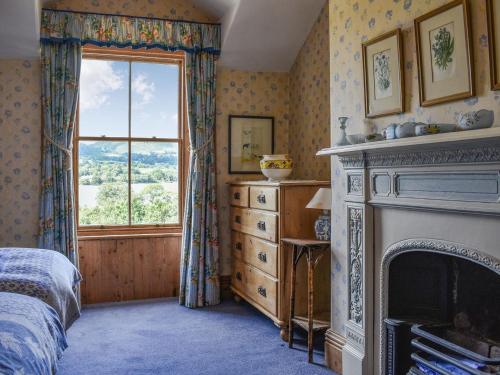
[[237, 195], [238, 246], [262, 257], [238, 275], [237, 219], [261, 198], [262, 291], [261, 225]]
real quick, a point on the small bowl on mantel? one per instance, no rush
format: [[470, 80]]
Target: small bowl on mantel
[[355, 139]]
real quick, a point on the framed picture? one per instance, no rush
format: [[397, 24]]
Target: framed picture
[[383, 75], [250, 137], [444, 48], [493, 11]]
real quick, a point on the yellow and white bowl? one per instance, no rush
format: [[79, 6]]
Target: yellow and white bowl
[[276, 167]]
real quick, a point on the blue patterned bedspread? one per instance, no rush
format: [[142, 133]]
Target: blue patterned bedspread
[[44, 274], [32, 338]]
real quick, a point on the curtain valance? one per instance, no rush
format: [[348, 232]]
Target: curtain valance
[[126, 31]]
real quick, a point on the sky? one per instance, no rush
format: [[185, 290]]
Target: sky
[[104, 99]]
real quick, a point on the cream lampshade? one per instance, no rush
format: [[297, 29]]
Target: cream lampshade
[[322, 200]]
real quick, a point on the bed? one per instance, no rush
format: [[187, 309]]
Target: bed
[[32, 338], [43, 274]]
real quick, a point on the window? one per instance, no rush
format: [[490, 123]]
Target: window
[[129, 140]]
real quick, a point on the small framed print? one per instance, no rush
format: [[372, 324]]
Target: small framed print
[[444, 48], [493, 11], [383, 75], [250, 137]]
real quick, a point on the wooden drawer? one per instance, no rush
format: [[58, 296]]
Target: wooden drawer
[[264, 198], [239, 278], [239, 196], [237, 244], [262, 289], [261, 254], [257, 223]]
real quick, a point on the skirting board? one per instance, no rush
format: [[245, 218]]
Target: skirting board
[[333, 350]]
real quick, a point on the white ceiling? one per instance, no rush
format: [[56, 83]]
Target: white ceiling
[[257, 35], [19, 29], [262, 35]]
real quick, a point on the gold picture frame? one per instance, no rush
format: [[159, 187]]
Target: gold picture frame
[[493, 12], [383, 75], [444, 54]]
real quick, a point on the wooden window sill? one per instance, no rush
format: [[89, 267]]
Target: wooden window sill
[[108, 234]]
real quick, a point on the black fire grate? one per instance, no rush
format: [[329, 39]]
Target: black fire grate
[[442, 350]]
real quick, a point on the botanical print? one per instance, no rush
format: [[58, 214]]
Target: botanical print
[[442, 52], [252, 144], [382, 74], [250, 139]]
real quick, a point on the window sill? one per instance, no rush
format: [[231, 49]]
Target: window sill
[[109, 233]]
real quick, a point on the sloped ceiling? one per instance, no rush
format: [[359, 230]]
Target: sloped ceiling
[[257, 35], [262, 35], [19, 29]]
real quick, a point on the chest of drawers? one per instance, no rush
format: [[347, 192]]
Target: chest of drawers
[[262, 213]]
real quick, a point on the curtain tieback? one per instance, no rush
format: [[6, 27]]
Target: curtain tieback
[[68, 161], [196, 151]]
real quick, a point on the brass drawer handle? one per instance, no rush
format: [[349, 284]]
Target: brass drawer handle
[[238, 275], [237, 219], [237, 196], [261, 198], [261, 225], [262, 257], [238, 246], [262, 291]]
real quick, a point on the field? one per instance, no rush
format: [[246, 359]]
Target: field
[[103, 183]]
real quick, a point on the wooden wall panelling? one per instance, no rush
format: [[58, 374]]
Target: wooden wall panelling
[[129, 268]]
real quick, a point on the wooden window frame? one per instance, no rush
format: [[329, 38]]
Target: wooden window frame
[[158, 56]]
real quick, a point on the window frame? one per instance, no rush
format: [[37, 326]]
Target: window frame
[[129, 55]]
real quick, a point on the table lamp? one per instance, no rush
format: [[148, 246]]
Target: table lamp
[[322, 200]]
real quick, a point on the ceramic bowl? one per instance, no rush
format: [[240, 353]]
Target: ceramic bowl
[[276, 174], [276, 167], [426, 129], [355, 139]]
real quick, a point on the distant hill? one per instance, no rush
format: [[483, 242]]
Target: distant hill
[[142, 152]]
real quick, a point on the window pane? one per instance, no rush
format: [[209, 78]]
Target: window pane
[[155, 101], [103, 183], [155, 195], [104, 98]]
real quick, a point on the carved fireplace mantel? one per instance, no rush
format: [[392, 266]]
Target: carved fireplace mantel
[[453, 173]]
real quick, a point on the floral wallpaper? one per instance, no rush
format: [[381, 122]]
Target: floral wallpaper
[[310, 104], [172, 9], [351, 23], [245, 93], [20, 139]]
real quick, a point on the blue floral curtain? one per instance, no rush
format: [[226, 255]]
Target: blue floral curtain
[[60, 75], [61, 35], [200, 249]]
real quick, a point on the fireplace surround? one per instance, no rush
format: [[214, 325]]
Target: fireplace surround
[[437, 195]]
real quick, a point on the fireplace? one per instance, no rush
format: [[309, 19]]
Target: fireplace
[[423, 249], [436, 300]]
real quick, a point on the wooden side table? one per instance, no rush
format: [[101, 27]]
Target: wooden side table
[[314, 250]]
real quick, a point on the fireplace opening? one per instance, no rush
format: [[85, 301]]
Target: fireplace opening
[[453, 305]]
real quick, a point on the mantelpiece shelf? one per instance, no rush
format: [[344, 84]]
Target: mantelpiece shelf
[[487, 135]]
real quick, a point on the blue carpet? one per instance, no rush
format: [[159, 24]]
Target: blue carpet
[[161, 337]]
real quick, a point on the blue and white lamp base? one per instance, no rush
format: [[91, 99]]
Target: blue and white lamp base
[[323, 227]]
